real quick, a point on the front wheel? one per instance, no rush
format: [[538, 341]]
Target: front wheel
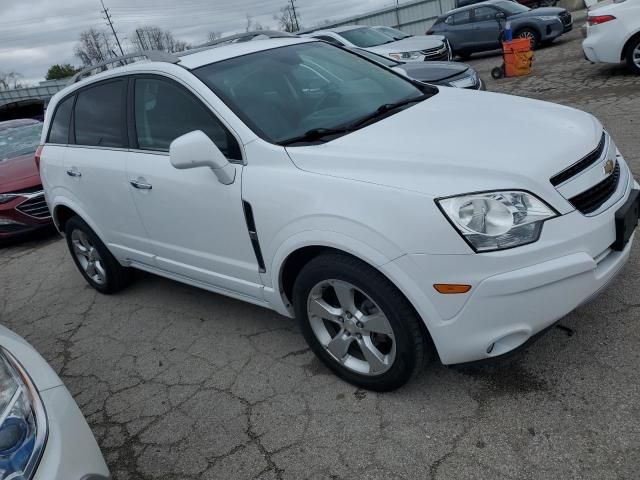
[[94, 261], [531, 35], [633, 56], [358, 323]]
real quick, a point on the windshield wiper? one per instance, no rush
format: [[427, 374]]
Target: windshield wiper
[[386, 108], [314, 134]]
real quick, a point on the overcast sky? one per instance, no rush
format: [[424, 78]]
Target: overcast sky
[[34, 34]]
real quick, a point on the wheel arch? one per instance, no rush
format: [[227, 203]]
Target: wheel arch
[[627, 45]]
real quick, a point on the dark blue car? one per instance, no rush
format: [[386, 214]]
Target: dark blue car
[[479, 27]]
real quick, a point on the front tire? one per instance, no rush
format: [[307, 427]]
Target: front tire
[[633, 56], [532, 35], [358, 323], [94, 261]]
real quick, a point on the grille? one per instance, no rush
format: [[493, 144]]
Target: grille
[[566, 18], [35, 207], [578, 167], [590, 200], [440, 53]]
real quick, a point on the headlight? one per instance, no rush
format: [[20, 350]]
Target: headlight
[[547, 18], [497, 220], [466, 82], [406, 55], [7, 197], [23, 427]]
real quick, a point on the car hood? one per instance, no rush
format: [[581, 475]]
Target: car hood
[[18, 173], [433, 71], [411, 44], [539, 12], [461, 141]]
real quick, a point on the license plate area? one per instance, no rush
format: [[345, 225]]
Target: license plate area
[[627, 220]]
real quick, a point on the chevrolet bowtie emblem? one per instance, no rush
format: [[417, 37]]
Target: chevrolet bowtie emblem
[[609, 166]]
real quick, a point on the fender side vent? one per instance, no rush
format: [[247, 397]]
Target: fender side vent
[[253, 235]]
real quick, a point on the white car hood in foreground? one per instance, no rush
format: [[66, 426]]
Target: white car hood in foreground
[[43, 376], [461, 141]]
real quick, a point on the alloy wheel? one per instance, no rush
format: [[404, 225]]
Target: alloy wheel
[[351, 327], [88, 257], [530, 36], [636, 56]]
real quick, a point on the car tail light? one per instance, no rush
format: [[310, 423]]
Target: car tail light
[[598, 19], [38, 153]]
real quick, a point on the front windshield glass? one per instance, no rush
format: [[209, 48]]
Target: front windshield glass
[[511, 8], [285, 92], [19, 140], [393, 33], [387, 62], [366, 37]]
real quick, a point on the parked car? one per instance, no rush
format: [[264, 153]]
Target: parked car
[[43, 435], [448, 74], [613, 34], [527, 3], [347, 201], [393, 32], [22, 204], [413, 49], [478, 28]]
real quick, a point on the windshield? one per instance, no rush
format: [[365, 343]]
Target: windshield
[[393, 33], [366, 37], [387, 62], [284, 92], [511, 8], [19, 140]]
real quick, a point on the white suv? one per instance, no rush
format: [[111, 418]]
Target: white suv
[[298, 176], [613, 34]]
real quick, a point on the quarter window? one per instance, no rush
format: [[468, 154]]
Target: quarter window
[[165, 111], [99, 116], [59, 132]]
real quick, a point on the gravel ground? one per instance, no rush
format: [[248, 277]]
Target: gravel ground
[[178, 383]]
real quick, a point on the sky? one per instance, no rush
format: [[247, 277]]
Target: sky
[[35, 34]]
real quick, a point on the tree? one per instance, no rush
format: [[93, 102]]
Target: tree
[[94, 46], [150, 37], [10, 80], [213, 36], [57, 71], [288, 20]]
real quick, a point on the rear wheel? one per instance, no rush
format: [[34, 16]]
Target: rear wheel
[[633, 56], [94, 261], [358, 323], [530, 34], [464, 55]]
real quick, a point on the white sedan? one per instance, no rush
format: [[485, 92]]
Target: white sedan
[[43, 435], [613, 34]]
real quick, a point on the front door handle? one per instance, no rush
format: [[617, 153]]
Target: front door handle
[[141, 184], [74, 172]]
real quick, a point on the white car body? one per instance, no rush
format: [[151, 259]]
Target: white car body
[[70, 451], [421, 46], [370, 194], [608, 42]]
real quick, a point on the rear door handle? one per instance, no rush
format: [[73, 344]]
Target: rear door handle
[[141, 184], [74, 172]]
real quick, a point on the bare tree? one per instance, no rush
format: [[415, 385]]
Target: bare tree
[[287, 19], [150, 37], [10, 80], [94, 46], [249, 22], [212, 36]]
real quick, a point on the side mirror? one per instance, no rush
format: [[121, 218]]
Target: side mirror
[[195, 149], [500, 16]]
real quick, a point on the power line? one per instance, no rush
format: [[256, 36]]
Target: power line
[[107, 17]]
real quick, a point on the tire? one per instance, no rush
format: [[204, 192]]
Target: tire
[[497, 73], [464, 55], [329, 328], [532, 35], [107, 275], [633, 56]]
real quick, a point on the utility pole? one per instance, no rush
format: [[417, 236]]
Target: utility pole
[[398, 13], [107, 17], [295, 15]]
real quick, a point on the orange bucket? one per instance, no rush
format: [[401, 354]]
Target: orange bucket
[[518, 57]]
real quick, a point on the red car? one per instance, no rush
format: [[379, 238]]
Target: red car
[[22, 204]]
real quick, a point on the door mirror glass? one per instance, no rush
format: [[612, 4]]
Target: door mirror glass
[[500, 16], [195, 149]]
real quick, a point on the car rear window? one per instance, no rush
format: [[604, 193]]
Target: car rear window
[[59, 132], [99, 115]]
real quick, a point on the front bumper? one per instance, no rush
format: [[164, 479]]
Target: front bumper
[[552, 30], [14, 221], [515, 293], [71, 451]]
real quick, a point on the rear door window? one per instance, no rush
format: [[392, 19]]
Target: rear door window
[[462, 18], [59, 132], [99, 115], [483, 14]]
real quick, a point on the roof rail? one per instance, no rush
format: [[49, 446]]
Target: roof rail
[[151, 55], [239, 38]]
